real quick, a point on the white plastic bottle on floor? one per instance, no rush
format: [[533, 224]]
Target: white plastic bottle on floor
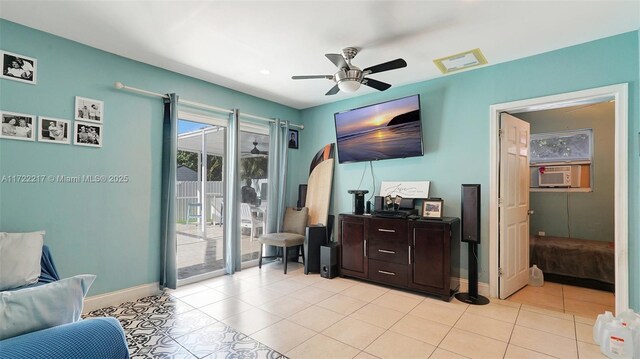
[[598, 328], [536, 277], [617, 341], [629, 318]]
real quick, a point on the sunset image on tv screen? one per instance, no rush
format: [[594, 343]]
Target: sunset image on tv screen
[[383, 131]]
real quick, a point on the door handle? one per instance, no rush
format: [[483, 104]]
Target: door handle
[[530, 212], [409, 254], [386, 251], [365, 248]]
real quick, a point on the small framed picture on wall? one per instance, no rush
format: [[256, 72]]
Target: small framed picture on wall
[[87, 134], [18, 67], [89, 110], [293, 139], [18, 126], [54, 130], [432, 208]]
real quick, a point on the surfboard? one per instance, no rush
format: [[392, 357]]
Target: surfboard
[[319, 185]]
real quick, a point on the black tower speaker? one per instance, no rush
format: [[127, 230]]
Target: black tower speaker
[[302, 195], [329, 261], [358, 200], [471, 234], [470, 213]]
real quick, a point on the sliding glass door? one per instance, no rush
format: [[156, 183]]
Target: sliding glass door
[[200, 198], [254, 164], [200, 194]]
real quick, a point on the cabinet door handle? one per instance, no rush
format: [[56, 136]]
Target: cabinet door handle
[[386, 251], [409, 254], [385, 272], [365, 247], [386, 230]]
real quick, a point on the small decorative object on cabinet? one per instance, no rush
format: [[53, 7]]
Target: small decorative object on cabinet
[[432, 208], [413, 255]]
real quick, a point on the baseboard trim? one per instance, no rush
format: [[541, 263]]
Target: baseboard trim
[[120, 296], [483, 288]]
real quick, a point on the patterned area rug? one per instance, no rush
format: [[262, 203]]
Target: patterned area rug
[[163, 327]]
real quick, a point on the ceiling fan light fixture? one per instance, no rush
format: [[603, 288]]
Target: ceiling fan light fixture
[[349, 80], [348, 86]]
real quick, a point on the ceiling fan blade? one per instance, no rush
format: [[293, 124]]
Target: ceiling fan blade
[[338, 60], [306, 77], [334, 90], [390, 65], [378, 85]]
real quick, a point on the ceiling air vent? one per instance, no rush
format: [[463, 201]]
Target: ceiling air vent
[[460, 61]]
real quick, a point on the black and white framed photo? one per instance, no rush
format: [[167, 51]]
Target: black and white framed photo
[[432, 208], [89, 110], [293, 139], [54, 130], [18, 126], [18, 67], [87, 134]]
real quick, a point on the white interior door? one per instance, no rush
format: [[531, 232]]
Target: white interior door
[[514, 204]]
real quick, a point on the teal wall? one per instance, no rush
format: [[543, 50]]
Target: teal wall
[[585, 215], [455, 115], [111, 230]]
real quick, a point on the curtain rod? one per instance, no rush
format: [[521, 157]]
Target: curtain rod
[[121, 86]]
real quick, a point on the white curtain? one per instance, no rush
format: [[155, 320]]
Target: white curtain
[[233, 257], [277, 177]]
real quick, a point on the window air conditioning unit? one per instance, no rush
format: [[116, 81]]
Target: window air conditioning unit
[[559, 176]]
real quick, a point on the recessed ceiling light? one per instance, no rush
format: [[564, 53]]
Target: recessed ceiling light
[[461, 61], [265, 72]]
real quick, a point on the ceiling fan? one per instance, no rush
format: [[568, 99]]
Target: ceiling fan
[[255, 152], [349, 77]]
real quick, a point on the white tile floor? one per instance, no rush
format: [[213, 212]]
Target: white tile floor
[[306, 316], [569, 299]]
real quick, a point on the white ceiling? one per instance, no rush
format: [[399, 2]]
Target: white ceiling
[[230, 42]]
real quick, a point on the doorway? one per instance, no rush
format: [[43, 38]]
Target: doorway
[[200, 194], [617, 93], [200, 198]]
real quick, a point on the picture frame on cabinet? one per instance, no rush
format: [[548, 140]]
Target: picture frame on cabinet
[[432, 207]]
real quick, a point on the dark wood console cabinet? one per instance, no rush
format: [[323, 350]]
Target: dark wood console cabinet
[[410, 254]]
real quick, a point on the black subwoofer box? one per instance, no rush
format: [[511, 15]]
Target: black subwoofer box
[[329, 261], [315, 237]]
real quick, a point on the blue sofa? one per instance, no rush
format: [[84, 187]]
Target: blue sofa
[[90, 338]]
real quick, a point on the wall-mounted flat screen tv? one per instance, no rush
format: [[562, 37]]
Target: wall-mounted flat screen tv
[[382, 131]]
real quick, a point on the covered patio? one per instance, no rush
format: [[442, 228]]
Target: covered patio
[[200, 202]]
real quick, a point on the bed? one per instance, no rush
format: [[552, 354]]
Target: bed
[[574, 261]]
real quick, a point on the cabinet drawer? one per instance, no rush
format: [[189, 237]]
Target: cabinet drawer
[[389, 251], [388, 230], [386, 272]]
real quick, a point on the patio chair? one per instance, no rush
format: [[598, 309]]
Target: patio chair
[[193, 212], [217, 211], [248, 221], [292, 235]]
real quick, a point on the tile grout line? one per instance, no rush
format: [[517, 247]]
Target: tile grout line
[[386, 330], [451, 328]]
